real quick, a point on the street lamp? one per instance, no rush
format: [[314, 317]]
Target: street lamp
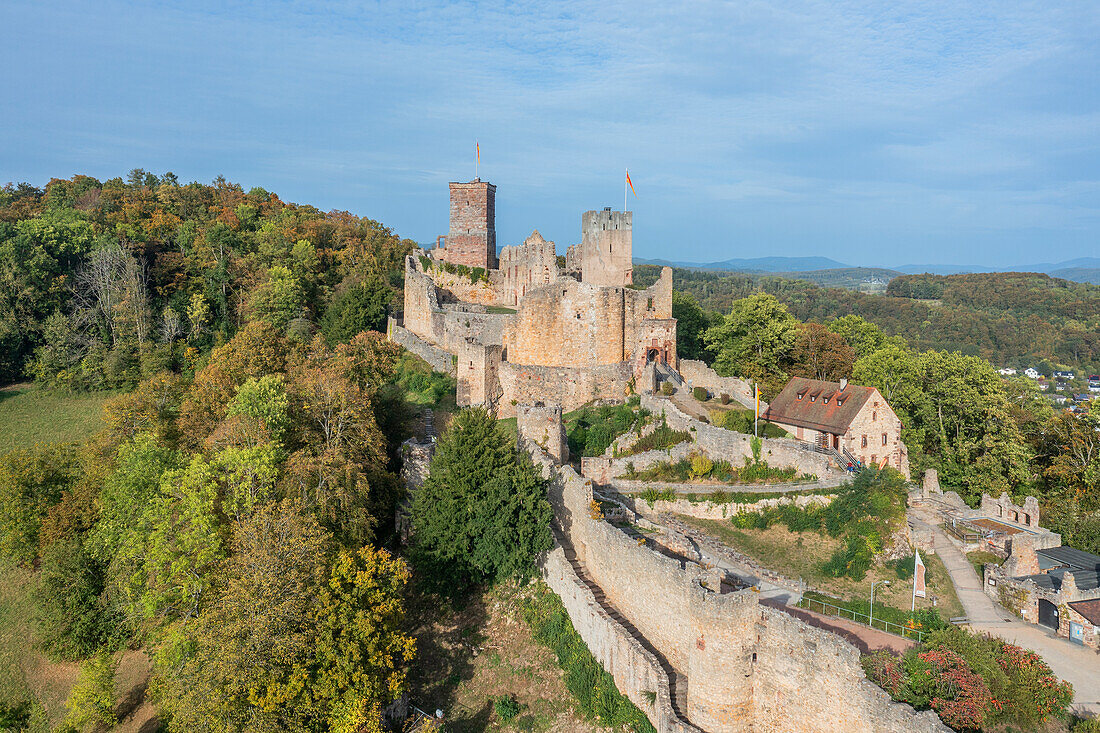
[[871, 623]]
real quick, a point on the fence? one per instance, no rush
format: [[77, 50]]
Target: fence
[[828, 609]]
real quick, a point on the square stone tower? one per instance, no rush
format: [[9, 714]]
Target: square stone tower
[[606, 250], [472, 240]]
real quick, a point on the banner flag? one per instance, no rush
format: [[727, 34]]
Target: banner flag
[[630, 183], [918, 577]]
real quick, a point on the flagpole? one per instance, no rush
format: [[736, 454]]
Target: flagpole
[[627, 172], [913, 605], [477, 159]]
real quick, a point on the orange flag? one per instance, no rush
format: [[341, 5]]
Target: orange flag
[[630, 183], [477, 146]]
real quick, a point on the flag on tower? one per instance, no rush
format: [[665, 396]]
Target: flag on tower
[[630, 183], [477, 147]]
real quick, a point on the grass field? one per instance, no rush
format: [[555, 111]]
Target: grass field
[[801, 555], [29, 415]]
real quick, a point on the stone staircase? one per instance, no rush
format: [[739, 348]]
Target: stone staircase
[[678, 682]]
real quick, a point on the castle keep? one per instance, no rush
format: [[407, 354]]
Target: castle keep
[[523, 330]]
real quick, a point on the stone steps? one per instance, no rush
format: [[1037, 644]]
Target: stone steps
[[678, 682]]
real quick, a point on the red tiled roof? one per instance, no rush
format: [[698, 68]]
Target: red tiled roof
[[818, 408], [1088, 609]]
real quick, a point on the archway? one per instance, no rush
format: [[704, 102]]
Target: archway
[[1048, 614]]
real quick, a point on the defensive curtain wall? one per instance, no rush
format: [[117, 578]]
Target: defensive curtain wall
[[697, 374], [748, 667], [719, 443], [568, 342]]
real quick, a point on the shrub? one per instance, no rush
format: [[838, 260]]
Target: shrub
[[651, 496], [701, 465], [662, 438], [700, 394], [903, 567], [974, 681], [91, 703], [667, 388], [506, 706]]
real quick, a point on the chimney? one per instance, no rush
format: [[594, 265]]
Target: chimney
[[843, 384]]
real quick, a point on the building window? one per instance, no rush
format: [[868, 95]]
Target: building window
[[813, 398], [801, 395], [884, 438], [874, 416], [825, 400], [863, 442]]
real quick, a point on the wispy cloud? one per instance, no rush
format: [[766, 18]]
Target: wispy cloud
[[860, 130]]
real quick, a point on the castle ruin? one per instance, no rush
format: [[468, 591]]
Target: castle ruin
[[519, 329]]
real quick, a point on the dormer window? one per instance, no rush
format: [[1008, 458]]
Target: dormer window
[[801, 395], [813, 398], [839, 401], [825, 400]]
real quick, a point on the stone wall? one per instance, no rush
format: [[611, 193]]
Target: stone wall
[[712, 510], [527, 266], [570, 387], [437, 358], [734, 447], [1022, 515], [698, 374], [572, 324], [636, 671], [749, 667], [459, 326]]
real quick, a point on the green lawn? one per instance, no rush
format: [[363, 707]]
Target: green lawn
[[16, 611], [802, 554], [29, 415]]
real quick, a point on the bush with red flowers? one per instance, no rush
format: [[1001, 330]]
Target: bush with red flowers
[[973, 682]]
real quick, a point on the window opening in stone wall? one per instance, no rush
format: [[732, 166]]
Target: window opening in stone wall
[[874, 416], [884, 438], [863, 443]]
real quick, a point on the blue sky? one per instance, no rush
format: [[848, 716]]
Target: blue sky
[[870, 132]]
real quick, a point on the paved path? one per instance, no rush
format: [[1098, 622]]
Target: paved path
[[980, 608], [864, 638], [1072, 662]]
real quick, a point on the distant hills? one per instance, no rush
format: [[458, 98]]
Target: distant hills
[[756, 264], [826, 271]]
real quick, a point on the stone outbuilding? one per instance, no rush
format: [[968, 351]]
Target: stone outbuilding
[[1056, 587], [847, 418]]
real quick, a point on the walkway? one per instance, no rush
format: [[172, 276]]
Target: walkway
[[678, 682], [1074, 663], [864, 638]]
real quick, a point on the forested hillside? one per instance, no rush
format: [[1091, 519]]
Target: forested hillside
[[102, 284], [228, 524], [1006, 318]]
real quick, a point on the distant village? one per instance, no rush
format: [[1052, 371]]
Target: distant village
[[1063, 388]]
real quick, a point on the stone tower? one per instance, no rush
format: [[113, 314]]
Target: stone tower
[[472, 240], [606, 250]]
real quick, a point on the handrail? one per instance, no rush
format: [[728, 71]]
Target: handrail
[[903, 631]]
